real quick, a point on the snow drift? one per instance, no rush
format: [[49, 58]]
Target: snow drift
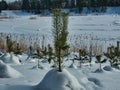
[[107, 68], [10, 58], [117, 22], [73, 66], [55, 80], [8, 72]]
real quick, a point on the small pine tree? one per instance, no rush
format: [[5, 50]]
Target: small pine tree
[[9, 44], [113, 54], [100, 61], [44, 52], [60, 33], [110, 55], [82, 56], [50, 53], [18, 49]]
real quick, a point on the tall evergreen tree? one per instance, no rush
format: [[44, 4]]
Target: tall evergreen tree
[[0, 7], [3, 5], [103, 5], [88, 5], [38, 6], [60, 33], [94, 5], [80, 4], [25, 5], [33, 5]]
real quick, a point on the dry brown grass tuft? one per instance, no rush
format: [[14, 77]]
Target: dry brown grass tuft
[[5, 17], [33, 18]]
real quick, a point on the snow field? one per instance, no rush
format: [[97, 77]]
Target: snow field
[[32, 79], [104, 28]]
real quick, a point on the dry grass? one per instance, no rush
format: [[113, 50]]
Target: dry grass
[[33, 18], [5, 17], [43, 15], [76, 42]]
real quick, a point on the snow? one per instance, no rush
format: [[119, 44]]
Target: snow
[[27, 76], [9, 0], [117, 22], [104, 28], [73, 66], [107, 68], [10, 59], [86, 77], [55, 80], [8, 72]]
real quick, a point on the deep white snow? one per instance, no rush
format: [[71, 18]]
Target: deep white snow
[[8, 72], [10, 59], [55, 80], [105, 28]]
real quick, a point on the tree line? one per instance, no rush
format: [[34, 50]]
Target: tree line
[[37, 5]]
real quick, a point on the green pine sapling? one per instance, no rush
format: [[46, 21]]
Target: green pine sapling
[[113, 53], [100, 61], [10, 44], [50, 53], [60, 33], [18, 49], [82, 56]]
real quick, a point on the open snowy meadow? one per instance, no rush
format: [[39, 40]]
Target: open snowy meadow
[[33, 73]]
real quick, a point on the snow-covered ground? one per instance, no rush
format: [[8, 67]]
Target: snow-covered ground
[[36, 78], [103, 27]]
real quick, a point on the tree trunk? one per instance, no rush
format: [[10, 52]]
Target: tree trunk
[[38, 64], [59, 60], [80, 64], [111, 63], [90, 61], [100, 67]]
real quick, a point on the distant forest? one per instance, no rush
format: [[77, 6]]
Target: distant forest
[[36, 6]]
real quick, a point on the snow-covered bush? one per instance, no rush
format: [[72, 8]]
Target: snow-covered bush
[[10, 59], [73, 66]]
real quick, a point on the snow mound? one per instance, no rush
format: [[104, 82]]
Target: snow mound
[[39, 67], [95, 81], [108, 68], [44, 61], [117, 22], [30, 60], [55, 80], [10, 58], [73, 66], [8, 72], [99, 71]]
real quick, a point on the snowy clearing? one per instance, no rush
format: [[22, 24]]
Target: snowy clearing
[[27, 76], [102, 27]]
